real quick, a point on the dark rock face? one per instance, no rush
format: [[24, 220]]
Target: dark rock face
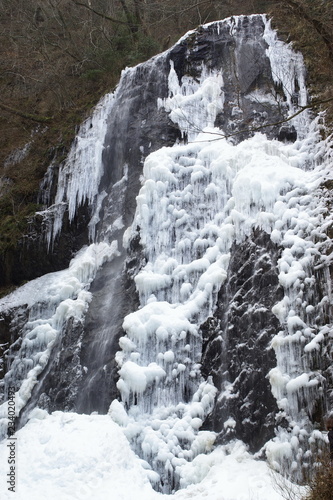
[[240, 52], [58, 384], [287, 134], [136, 128], [103, 327], [82, 373], [10, 338], [32, 258], [236, 344]]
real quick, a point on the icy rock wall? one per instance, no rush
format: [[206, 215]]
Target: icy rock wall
[[235, 341], [96, 189], [48, 306], [203, 310], [199, 202], [189, 75]]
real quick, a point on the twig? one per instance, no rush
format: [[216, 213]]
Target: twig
[[280, 122], [35, 118]]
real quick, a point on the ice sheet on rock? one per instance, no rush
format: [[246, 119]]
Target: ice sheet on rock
[[80, 174], [50, 302], [288, 72], [195, 201], [296, 384], [194, 104]]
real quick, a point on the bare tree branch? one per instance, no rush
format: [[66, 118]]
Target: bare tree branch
[[318, 25], [132, 25], [182, 11], [105, 16], [280, 122], [35, 118]]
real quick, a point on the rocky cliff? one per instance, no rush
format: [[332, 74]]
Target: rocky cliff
[[198, 305]]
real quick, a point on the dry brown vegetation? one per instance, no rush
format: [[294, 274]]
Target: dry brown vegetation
[[318, 485], [309, 25], [321, 485]]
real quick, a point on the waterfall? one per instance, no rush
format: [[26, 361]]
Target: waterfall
[[208, 154]]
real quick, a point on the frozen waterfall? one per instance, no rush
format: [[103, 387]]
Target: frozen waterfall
[[221, 176]]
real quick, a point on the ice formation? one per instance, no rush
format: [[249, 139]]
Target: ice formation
[[80, 174], [197, 198], [195, 201], [79, 457], [49, 303]]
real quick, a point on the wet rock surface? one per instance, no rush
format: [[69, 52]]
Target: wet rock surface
[[236, 349]]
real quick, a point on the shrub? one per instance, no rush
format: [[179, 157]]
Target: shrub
[[321, 485]]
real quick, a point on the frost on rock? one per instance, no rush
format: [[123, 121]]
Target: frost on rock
[[49, 303], [194, 104], [195, 201], [288, 72], [80, 174]]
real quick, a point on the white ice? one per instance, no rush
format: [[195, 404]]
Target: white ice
[[85, 457], [50, 302], [196, 200]]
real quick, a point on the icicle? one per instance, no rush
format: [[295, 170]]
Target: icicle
[[51, 301], [79, 176]]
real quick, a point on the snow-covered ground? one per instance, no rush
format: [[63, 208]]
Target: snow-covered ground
[[83, 457]]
